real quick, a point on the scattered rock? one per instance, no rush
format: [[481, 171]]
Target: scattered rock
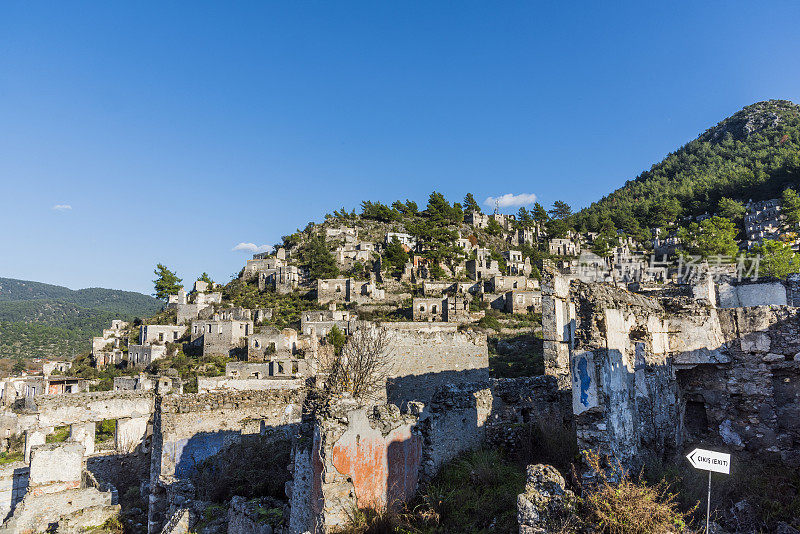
[[546, 500]]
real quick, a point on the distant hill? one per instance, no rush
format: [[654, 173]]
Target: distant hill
[[754, 154], [44, 320]]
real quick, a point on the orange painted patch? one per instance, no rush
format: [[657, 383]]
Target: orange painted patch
[[383, 470]]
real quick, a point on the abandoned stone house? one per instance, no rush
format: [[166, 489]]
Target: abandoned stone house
[[161, 384], [189, 306], [157, 333], [482, 266], [29, 387], [143, 355], [345, 233], [501, 283], [763, 220], [108, 349], [522, 236], [523, 301], [476, 219], [320, 322], [409, 242], [50, 367], [347, 255], [563, 247], [452, 309], [346, 290], [517, 264], [437, 287], [220, 337], [652, 376], [270, 342], [283, 279], [506, 221]]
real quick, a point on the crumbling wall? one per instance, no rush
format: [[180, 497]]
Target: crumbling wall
[[352, 456], [651, 377], [189, 429], [60, 493], [423, 356], [349, 455]]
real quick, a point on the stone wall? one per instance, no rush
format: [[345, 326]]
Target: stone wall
[[423, 356], [652, 377], [13, 485], [189, 429], [348, 455], [353, 456]]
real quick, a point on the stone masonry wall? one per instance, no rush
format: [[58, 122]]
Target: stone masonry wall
[[652, 377], [191, 428]]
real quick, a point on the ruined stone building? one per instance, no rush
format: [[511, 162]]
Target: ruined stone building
[[763, 220], [157, 333], [269, 342], [501, 283], [476, 219], [220, 337], [563, 247], [189, 306], [521, 301], [482, 266], [517, 264], [346, 290], [409, 242], [143, 355], [108, 349], [320, 322], [450, 309], [652, 376]]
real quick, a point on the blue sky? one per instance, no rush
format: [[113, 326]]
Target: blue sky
[[171, 131]]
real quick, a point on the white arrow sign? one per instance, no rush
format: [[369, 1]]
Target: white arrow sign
[[719, 462]]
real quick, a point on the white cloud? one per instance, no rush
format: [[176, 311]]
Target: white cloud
[[511, 201], [252, 247], [62, 207]]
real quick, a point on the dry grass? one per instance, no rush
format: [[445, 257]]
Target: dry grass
[[624, 505]]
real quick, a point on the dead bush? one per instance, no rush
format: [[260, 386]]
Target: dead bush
[[360, 369]]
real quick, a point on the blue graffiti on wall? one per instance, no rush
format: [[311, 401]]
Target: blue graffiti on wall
[[582, 376]]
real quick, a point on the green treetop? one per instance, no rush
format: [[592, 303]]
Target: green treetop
[[470, 204], [777, 259], [715, 236], [166, 283]]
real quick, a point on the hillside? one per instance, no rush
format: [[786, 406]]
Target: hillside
[[39, 319], [753, 154]]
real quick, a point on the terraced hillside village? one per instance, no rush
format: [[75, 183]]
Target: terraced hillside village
[[439, 368]]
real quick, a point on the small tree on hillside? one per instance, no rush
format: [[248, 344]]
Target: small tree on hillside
[[206, 278], [790, 207], [731, 209], [712, 237], [777, 259], [560, 210], [166, 283], [362, 366], [470, 204], [395, 255], [317, 257]]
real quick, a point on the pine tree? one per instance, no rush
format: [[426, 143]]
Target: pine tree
[[166, 283], [470, 204]]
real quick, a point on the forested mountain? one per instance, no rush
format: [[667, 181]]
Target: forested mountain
[[39, 319], [753, 154]]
